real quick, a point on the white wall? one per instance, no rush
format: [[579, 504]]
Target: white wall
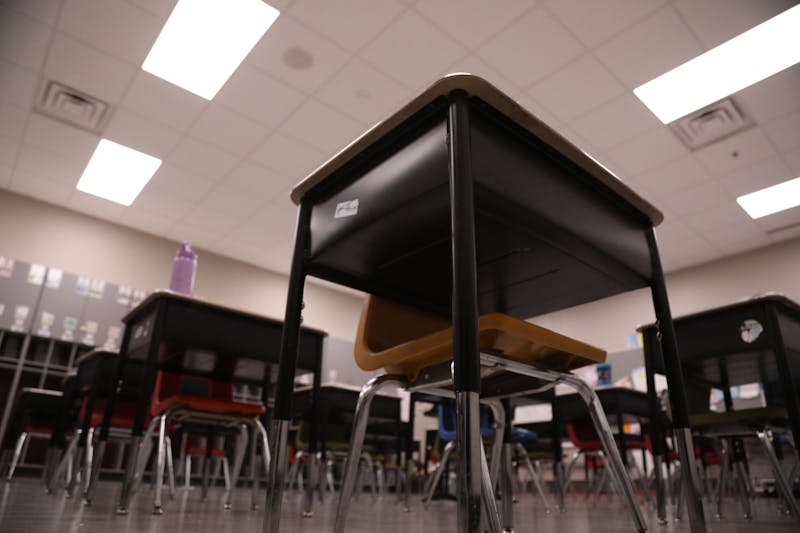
[[605, 323], [42, 233]]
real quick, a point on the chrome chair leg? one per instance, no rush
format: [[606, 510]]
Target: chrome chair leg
[[158, 470], [294, 471], [491, 516], [65, 464], [722, 475], [313, 479], [87, 461], [357, 442], [255, 472], [495, 461], [437, 474], [17, 454], [141, 451], [508, 494], [765, 437], [238, 458], [226, 474], [537, 482], [187, 472], [661, 496], [170, 468], [97, 461], [744, 494]]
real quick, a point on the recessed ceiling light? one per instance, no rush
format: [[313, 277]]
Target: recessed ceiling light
[[117, 173], [746, 59], [204, 41], [772, 199]]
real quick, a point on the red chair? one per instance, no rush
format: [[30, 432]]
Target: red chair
[[199, 405]]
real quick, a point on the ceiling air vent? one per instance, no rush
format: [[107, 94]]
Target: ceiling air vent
[[72, 106], [710, 124]]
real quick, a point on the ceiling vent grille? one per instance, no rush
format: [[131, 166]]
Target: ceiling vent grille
[[710, 124], [73, 107]]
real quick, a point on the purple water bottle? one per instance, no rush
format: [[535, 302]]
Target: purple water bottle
[[184, 267]]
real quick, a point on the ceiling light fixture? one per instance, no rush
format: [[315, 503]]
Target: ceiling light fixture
[[748, 58], [117, 173], [772, 199], [204, 41]]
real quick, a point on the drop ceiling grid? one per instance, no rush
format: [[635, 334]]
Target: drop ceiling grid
[[220, 204]]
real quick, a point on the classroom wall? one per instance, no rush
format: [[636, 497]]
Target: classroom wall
[[43, 233], [606, 323]]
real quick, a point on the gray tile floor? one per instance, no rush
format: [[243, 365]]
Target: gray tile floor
[[24, 507]]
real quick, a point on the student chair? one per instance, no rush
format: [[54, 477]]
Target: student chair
[[415, 348], [204, 405]]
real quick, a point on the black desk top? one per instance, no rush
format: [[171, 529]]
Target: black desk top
[[192, 323], [553, 228]]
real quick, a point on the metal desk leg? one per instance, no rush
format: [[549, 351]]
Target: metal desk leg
[[677, 392], [290, 344], [466, 364]]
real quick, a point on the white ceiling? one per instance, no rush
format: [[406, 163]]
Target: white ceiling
[[229, 164]]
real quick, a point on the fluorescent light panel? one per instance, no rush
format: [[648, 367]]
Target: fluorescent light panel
[[772, 199], [746, 59], [117, 173], [204, 41]]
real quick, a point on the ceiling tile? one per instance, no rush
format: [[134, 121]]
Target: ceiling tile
[[234, 249], [335, 20], [139, 133], [716, 218], [17, 85], [650, 48], [772, 97], [792, 158], [735, 152], [163, 102], [692, 200], [278, 258], [322, 127], [160, 8], [729, 238], [689, 254], [576, 89], [617, 121], [595, 22], [113, 26], [788, 233], [764, 173], [162, 203], [677, 175], [279, 216], [673, 231], [471, 22], [536, 109], [287, 42], [238, 203], [515, 51], [416, 61], [147, 222], [201, 158], [712, 29], [647, 151], [95, 206], [257, 180], [35, 160], [189, 185], [255, 232], [363, 92], [22, 40], [41, 188], [784, 132], [44, 11], [289, 157], [743, 244], [12, 121], [8, 152], [84, 68], [228, 130], [779, 222], [6, 172], [58, 138], [259, 96]]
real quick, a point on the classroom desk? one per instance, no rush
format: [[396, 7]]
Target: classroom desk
[[463, 203], [751, 341], [167, 324], [338, 404]]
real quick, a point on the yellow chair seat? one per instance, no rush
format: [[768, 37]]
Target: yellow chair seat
[[404, 340]]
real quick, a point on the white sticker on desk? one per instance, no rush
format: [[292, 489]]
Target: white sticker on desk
[[750, 330], [346, 209]]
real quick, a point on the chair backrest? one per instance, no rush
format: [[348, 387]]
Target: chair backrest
[[385, 324]]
